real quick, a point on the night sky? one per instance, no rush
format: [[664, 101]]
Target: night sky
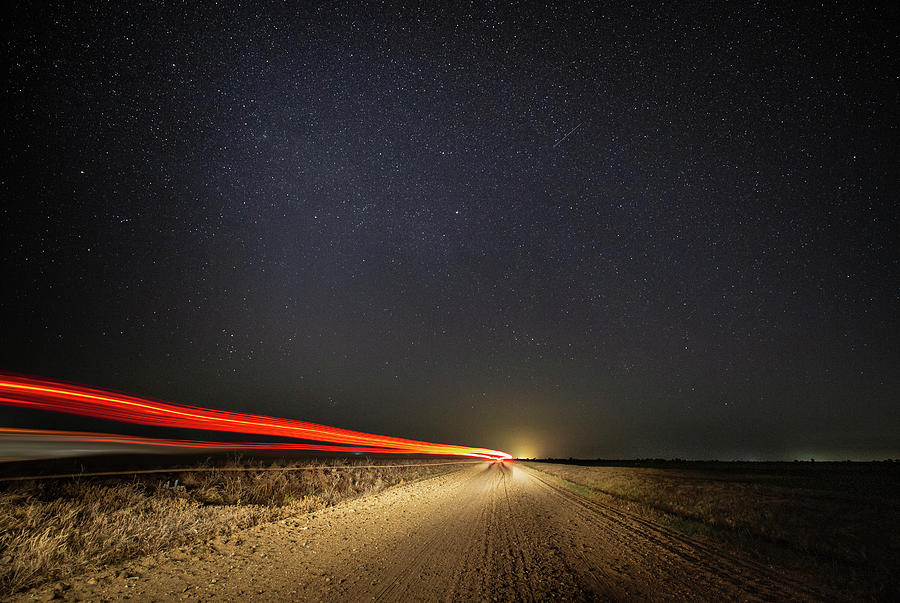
[[623, 231]]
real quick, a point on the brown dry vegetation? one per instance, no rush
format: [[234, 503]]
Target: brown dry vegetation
[[837, 522], [53, 529]]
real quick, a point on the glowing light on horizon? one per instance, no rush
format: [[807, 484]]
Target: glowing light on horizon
[[41, 394]]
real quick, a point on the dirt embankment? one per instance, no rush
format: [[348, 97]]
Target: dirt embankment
[[54, 529]]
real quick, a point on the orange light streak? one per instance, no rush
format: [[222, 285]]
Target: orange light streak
[[40, 394], [86, 437]]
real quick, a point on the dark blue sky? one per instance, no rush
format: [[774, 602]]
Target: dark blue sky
[[574, 231]]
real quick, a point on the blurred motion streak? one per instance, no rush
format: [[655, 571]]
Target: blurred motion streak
[[85, 437], [40, 394]]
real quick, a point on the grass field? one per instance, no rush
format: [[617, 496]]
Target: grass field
[[53, 529], [838, 523]]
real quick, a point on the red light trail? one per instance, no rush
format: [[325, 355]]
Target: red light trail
[[40, 394], [85, 437]]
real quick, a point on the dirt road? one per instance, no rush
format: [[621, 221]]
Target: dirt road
[[487, 531]]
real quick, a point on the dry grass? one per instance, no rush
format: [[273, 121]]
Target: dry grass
[[840, 522], [53, 529]]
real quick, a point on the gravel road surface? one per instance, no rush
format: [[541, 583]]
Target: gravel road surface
[[484, 532]]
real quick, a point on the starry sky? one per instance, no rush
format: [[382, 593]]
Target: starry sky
[[632, 230]]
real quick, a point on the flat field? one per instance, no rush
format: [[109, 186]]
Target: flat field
[[837, 524], [354, 529], [482, 532]]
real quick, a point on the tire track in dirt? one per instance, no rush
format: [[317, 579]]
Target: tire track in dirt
[[446, 542], [757, 579], [487, 531]]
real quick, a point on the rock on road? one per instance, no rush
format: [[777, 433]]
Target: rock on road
[[486, 531]]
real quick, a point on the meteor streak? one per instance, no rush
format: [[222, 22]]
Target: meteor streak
[[569, 133], [41, 394]]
